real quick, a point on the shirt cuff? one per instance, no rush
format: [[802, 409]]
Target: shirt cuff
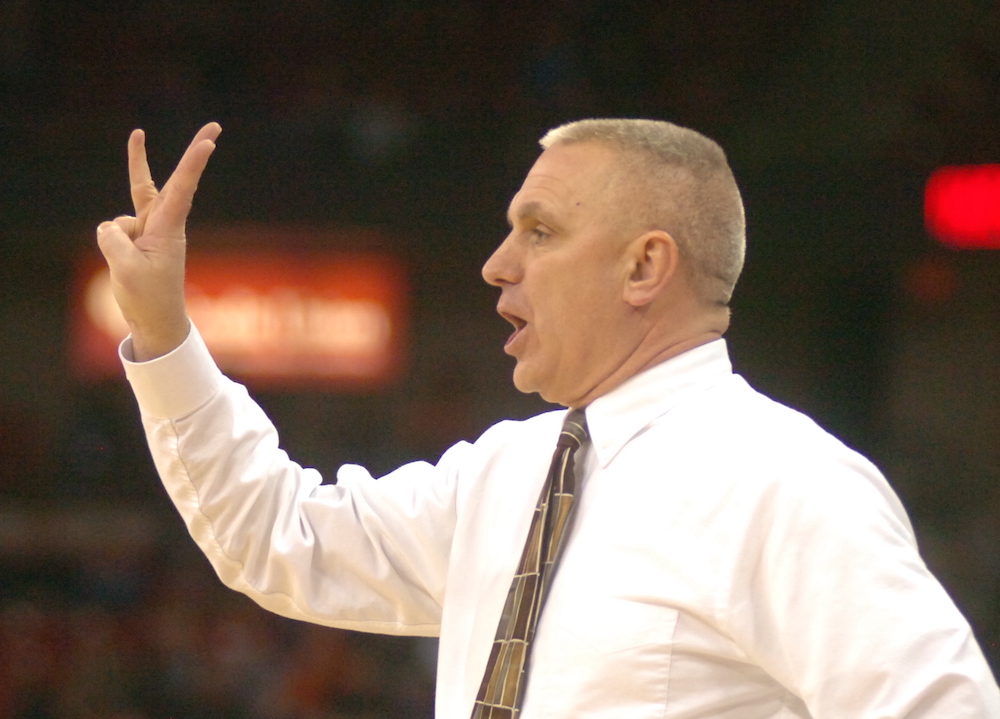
[[176, 384]]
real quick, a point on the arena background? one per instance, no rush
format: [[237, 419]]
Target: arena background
[[416, 122]]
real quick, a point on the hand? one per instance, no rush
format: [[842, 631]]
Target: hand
[[146, 252]]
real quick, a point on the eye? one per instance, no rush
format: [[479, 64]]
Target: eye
[[539, 233]]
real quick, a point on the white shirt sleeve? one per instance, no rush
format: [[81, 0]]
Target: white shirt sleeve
[[362, 554]]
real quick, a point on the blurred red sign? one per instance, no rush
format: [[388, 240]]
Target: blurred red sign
[[962, 206], [274, 318]]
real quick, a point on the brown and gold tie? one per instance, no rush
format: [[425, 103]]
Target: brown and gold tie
[[504, 681]]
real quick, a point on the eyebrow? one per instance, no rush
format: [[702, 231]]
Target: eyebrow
[[528, 209]]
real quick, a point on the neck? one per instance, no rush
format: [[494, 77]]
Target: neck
[[654, 346], [635, 366]]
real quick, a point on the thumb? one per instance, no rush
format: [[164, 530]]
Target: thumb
[[116, 246]]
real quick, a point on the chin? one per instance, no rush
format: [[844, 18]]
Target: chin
[[529, 385], [525, 381], [520, 381]]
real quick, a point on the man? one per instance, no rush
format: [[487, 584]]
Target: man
[[721, 556]]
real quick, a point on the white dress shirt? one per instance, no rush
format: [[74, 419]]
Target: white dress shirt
[[729, 559]]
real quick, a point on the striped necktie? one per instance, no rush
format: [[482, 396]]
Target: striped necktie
[[505, 678]]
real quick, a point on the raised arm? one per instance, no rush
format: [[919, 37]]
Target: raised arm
[[360, 554], [146, 252]]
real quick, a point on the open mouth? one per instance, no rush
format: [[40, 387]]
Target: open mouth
[[519, 324]]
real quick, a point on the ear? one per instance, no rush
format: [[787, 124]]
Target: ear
[[654, 261]]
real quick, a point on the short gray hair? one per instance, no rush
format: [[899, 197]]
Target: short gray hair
[[679, 181]]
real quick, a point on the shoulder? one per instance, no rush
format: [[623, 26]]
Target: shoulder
[[523, 429], [507, 437], [522, 438], [505, 461], [760, 428], [780, 457]]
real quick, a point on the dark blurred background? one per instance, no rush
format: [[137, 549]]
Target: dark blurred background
[[418, 121]]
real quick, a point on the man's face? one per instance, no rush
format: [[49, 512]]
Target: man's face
[[561, 272]]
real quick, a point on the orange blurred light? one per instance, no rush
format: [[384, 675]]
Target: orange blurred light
[[962, 206], [274, 318]]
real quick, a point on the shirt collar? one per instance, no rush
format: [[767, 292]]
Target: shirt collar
[[615, 418]]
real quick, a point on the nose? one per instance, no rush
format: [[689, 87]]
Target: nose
[[503, 267]]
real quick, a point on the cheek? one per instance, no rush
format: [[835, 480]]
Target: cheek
[[577, 303], [592, 320], [572, 326], [560, 317]]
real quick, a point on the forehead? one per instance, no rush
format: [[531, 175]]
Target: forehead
[[572, 178]]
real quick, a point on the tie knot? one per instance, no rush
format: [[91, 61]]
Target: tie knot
[[574, 430]]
